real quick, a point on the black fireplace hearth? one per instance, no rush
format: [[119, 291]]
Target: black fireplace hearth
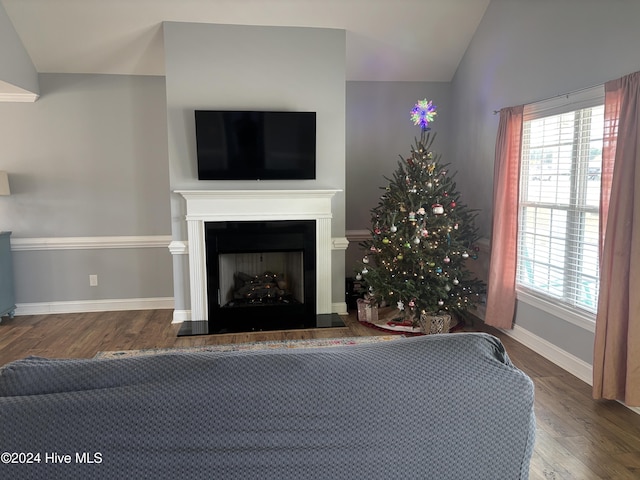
[[191, 328]]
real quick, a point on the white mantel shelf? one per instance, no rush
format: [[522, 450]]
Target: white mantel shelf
[[261, 205], [241, 205]]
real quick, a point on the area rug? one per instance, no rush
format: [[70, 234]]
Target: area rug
[[265, 345]]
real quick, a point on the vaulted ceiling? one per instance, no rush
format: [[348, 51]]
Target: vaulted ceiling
[[387, 40]]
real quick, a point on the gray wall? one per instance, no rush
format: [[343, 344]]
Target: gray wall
[[16, 67], [88, 159], [522, 52], [251, 67]]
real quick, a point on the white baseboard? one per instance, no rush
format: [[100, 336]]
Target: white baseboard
[[561, 358], [180, 316], [340, 308], [80, 306], [553, 353]]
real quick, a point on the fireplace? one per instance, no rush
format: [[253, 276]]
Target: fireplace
[[260, 275], [209, 212]]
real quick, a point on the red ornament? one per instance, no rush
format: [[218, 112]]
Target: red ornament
[[453, 204]]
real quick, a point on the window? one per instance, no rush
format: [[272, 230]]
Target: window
[[559, 201]]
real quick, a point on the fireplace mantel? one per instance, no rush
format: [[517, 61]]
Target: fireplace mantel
[[250, 205]]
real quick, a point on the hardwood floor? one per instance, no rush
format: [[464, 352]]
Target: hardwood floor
[[577, 437]]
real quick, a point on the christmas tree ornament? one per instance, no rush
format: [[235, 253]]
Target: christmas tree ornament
[[456, 281], [358, 276], [437, 209], [465, 255], [365, 259], [440, 303], [416, 241], [365, 271], [393, 229], [386, 241], [453, 204], [407, 245], [446, 259], [412, 216]]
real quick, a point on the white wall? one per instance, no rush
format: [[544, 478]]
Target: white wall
[[525, 51], [253, 67]]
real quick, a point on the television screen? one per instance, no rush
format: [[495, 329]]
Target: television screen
[[253, 145]]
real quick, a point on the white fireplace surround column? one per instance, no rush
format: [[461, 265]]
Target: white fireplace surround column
[[256, 205]]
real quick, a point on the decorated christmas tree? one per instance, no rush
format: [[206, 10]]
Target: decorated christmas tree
[[422, 236]]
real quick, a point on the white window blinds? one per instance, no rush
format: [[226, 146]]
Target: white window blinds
[[559, 200]]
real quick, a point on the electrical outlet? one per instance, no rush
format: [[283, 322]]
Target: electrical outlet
[[93, 280]]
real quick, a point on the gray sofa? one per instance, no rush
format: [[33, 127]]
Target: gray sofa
[[434, 407]]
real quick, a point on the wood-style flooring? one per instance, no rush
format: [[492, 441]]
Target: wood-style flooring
[[577, 437]]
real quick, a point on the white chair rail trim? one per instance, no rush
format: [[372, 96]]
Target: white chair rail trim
[[89, 243]]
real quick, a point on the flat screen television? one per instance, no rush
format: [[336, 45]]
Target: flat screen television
[[255, 145]]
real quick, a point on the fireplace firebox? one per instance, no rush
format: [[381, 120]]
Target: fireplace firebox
[[261, 275]]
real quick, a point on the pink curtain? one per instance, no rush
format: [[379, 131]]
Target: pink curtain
[[501, 284], [609, 141], [616, 363]]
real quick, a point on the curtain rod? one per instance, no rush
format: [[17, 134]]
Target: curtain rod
[[495, 112]]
